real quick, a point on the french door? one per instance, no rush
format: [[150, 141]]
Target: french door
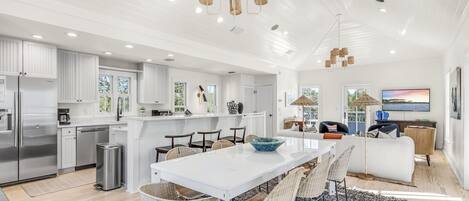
[[354, 117]]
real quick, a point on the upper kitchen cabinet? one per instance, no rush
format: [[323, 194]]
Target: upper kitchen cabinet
[[23, 58], [77, 77], [152, 84], [11, 56], [39, 60]]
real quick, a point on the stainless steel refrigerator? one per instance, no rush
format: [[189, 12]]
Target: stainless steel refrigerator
[[28, 128]]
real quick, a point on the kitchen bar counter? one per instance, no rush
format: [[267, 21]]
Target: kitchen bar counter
[[146, 133]]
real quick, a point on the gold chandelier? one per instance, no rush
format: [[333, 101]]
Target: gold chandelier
[[235, 5], [339, 56]]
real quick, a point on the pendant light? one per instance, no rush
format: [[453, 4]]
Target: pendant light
[[339, 55], [206, 2], [235, 7]]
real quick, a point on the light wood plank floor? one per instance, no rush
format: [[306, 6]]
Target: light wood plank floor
[[433, 183]]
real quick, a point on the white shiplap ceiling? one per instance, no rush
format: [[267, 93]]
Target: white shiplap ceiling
[[430, 26]]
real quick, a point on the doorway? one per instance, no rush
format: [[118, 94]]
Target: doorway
[[354, 117], [265, 102]]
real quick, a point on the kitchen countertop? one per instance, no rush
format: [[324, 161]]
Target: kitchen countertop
[[93, 122], [194, 116]]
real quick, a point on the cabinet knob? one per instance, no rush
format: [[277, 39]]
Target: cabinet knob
[[157, 101]]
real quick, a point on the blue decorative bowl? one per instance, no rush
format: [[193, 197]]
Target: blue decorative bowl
[[266, 144]]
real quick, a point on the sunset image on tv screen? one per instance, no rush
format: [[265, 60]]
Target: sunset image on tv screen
[[406, 100]]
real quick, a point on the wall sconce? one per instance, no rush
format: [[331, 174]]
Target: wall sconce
[[201, 94]]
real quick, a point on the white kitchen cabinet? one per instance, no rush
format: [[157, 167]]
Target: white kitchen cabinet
[[153, 84], [24, 58], [11, 55], [39, 60], [77, 77], [69, 148]]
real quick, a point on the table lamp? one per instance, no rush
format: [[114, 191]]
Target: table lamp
[[304, 101]]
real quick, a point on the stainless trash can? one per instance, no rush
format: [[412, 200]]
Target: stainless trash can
[[108, 166]]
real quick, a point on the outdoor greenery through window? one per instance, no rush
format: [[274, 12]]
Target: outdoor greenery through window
[[179, 96], [113, 85], [311, 113], [355, 116], [211, 98]]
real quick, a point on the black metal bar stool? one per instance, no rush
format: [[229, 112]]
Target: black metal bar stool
[[165, 149], [235, 139], [204, 144]]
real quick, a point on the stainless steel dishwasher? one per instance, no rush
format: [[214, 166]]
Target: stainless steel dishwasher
[[87, 138]]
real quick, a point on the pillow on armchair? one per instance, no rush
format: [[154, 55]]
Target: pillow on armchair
[[390, 129], [341, 128]]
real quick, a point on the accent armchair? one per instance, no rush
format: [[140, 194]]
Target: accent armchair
[[341, 128], [386, 128]]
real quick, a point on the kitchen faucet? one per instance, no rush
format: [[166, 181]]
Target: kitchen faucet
[[119, 108]]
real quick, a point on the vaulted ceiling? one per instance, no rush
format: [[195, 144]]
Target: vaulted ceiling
[[414, 29]]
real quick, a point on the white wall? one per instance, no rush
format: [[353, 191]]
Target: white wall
[[287, 81], [457, 135], [408, 74], [193, 80]]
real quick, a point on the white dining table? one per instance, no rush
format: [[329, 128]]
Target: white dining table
[[229, 172]]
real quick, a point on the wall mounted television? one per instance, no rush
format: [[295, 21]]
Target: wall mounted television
[[414, 100]]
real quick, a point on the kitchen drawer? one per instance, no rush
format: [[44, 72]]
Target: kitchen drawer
[[69, 131]]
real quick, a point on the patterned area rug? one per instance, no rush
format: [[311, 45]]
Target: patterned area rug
[[352, 195]]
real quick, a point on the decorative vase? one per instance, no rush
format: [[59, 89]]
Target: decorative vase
[[240, 108], [385, 116], [379, 115], [232, 107]]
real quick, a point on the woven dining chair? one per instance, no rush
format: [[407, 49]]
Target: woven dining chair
[[250, 138], [313, 186], [164, 192], [180, 152], [220, 144], [286, 190], [338, 170]]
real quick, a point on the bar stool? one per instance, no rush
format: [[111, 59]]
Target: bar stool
[[165, 149], [235, 139], [204, 144]]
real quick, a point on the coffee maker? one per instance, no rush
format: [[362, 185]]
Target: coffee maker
[[63, 116]]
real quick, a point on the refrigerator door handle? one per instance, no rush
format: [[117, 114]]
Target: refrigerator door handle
[[15, 117], [20, 118]]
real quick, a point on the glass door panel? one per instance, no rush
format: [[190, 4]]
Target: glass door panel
[[354, 117]]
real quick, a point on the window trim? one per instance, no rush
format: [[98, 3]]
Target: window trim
[[132, 92], [300, 91], [174, 96], [216, 98]]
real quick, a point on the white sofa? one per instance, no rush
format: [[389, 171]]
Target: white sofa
[[387, 158]]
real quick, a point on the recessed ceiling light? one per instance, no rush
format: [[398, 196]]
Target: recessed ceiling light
[[274, 27], [72, 34], [220, 19], [148, 60], [36, 36], [170, 55], [319, 61], [383, 10], [129, 46], [108, 53], [285, 33], [198, 10], [392, 51]]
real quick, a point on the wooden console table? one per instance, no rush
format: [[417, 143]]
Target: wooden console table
[[406, 123]]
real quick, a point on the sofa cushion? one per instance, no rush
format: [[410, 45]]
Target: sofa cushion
[[332, 136]]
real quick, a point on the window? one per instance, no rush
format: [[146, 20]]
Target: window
[[354, 117], [179, 96], [211, 98], [311, 113], [113, 85]]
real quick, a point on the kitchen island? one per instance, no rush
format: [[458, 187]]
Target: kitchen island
[[146, 133]]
